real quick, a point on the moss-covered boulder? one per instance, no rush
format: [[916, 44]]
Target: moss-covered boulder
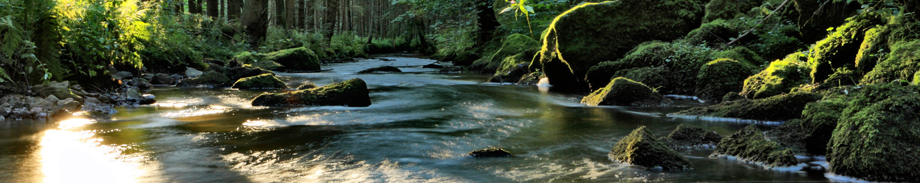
[[264, 81], [879, 142], [210, 79], [530, 78], [267, 65], [715, 33], [839, 49], [775, 108], [751, 145], [380, 69], [778, 78], [307, 85], [513, 45], [721, 76], [296, 59], [624, 92], [513, 67], [593, 32], [741, 54], [728, 9], [900, 65], [689, 135], [247, 57], [60, 90], [237, 73], [642, 148], [678, 62], [819, 119], [351, 93]]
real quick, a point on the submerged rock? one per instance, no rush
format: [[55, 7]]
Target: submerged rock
[[380, 69], [264, 81], [593, 32], [433, 66], [688, 135], [751, 145], [642, 148], [776, 108], [491, 152], [623, 92], [351, 93]]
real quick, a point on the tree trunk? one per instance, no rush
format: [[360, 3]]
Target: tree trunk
[[213, 9], [194, 6], [279, 15], [233, 9], [329, 19], [301, 14], [485, 22], [255, 18], [290, 14]]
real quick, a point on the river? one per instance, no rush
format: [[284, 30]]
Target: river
[[419, 128]]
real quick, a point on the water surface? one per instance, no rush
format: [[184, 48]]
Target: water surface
[[418, 129]]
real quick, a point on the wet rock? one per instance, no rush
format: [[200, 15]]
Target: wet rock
[[721, 76], [451, 70], [132, 94], [531, 78], [642, 148], [307, 85], [380, 69], [513, 67], [352, 93], [121, 75], [775, 108], [192, 72], [731, 96], [264, 81], [52, 99], [878, 141], [433, 66], [237, 73], [268, 65], [296, 59], [491, 152], [68, 106], [819, 119], [60, 90], [687, 135], [210, 78], [163, 78], [669, 67], [751, 145], [97, 108], [624, 92], [613, 28], [513, 45]]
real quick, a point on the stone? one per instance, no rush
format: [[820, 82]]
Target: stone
[[132, 94], [210, 78], [512, 45], [192, 72], [433, 66], [689, 135], [351, 93], [624, 92], [163, 78], [775, 108], [750, 144], [778, 78], [642, 148], [264, 81], [491, 152], [380, 69], [307, 85], [296, 59], [58, 89], [721, 76], [121, 75]]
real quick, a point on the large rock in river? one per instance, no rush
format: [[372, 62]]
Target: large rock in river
[[593, 32], [264, 81], [351, 93], [775, 108], [751, 145], [622, 91], [880, 142], [642, 148], [296, 59]]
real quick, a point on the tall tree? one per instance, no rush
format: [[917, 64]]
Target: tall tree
[[290, 14], [194, 6], [255, 18], [233, 9], [329, 19], [279, 16], [301, 13], [213, 9], [485, 21]]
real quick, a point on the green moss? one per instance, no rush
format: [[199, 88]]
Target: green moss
[[872, 49], [623, 91], [642, 148], [750, 144], [241, 72], [721, 76], [748, 58], [780, 77], [530, 78], [654, 77], [267, 64], [916, 80], [682, 62], [878, 142], [247, 57], [210, 78], [775, 108], [513, 67], [729, 9], [839, 49], [296, 59], [731, 96], [514, 44], [307, 85], [900, 64], [715, 33], [690, 135], [593, 32], [818, 122], [264, 81], [352, 93]]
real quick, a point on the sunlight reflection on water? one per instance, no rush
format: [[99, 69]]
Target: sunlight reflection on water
[[71, 155]]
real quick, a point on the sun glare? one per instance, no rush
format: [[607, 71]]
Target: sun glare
[[69, 155]]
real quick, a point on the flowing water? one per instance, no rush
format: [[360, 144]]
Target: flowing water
[[419, 128]]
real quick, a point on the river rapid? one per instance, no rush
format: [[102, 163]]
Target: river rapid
[[420, 127]]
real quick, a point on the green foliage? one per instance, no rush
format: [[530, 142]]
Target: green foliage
[[29, 35], [728, 9], [99, 34], [347, 45]]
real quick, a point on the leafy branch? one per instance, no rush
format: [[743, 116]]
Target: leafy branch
[[519, 9]]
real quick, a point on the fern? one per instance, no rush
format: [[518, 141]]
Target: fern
[[10, 36]]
